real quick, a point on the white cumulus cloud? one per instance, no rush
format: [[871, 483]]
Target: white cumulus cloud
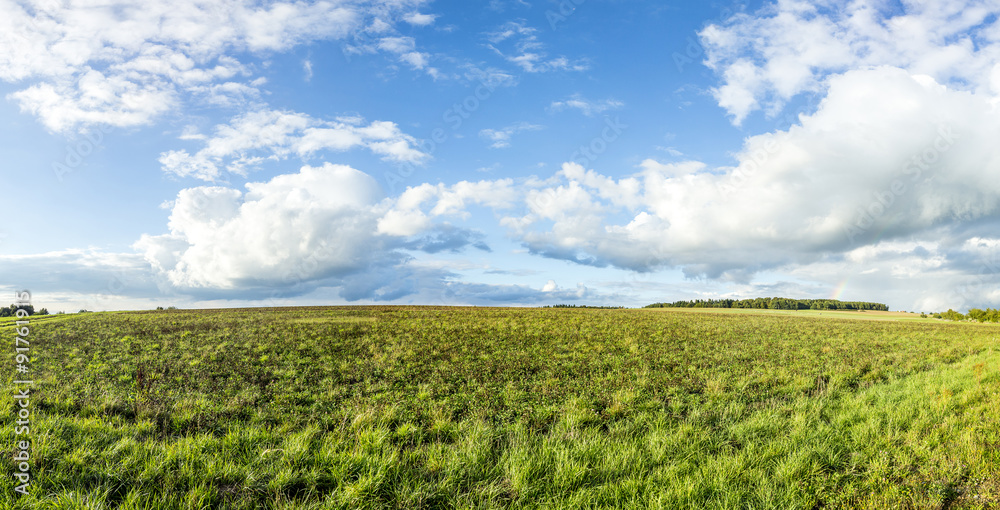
[[887, 154], [325, 226], [254, 137], [81, 63], [317, 223], [791, 47]]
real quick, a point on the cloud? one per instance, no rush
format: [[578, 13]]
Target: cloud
[[323, 227], [316, 224], [587, 107], [417, 208], [792, 47], [262, 135], [328, 227], [887, 155], [929, 275], [446, 237], [894, 179], [527, 52], [124, 64], [382, 36], [72, 279], [489, 169], [405, 50], [501, 137], [673, 151], [520, 294], [490, 76], [501, 5], [420, 20]]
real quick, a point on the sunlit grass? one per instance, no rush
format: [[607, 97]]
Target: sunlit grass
[[502, 408]]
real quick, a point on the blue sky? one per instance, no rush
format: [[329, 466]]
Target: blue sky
[[500, 152]]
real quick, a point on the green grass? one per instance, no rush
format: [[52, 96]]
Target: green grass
[[11, 322], [389, 407]]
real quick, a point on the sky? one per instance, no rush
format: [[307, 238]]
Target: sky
[[224, 153]]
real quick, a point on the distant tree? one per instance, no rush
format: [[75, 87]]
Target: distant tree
[[11, 311], [774, 303], [952, 315], [992, 315]]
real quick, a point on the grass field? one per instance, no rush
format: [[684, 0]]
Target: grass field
[[390, 407]]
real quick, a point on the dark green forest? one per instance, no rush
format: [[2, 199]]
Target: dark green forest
[[778, 303], [11, 310]]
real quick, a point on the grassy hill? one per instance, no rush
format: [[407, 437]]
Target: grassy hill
[[395, 407]]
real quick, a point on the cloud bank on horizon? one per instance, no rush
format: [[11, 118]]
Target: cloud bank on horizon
[[884, 178]]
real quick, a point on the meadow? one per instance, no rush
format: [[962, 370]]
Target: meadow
[[424, 407]]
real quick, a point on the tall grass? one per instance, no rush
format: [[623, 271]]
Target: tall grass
[[385, 407]]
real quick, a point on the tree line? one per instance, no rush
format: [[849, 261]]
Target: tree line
[[775, 303], [975, 314], [11, 310], [585, 306]]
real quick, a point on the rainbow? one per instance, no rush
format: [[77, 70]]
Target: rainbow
[[839, 290]]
